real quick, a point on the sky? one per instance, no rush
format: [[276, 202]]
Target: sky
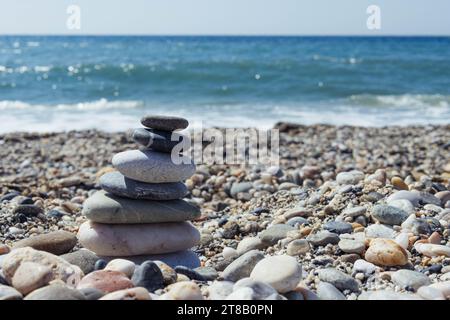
[[225, 17]]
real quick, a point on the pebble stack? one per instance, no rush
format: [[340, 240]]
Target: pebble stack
[[140, 213]]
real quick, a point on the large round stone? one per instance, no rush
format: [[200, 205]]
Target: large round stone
[[60, 268], [166, 123], [137, 239], [106, 208], [117, 184], [153, 167], [283, 273]]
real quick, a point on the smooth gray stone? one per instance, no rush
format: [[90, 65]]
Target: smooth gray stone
[[410, 279], [83, 258], [274, 233], [322, 238], [92, 293], [338, 279], [162, 141], [166, 123], [116, 183], [413, 197], [389, 214], [104, 207], [55, 292], [296, 221], [379, 231], [261, 290], [9, 293], [149, 276], [240, 187], [185, 258], [242, 266], [208, 273], [153, 167], [338, 227], [326, 291]]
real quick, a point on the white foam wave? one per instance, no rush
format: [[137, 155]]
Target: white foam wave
[[101, 104], [122, 115], [404, 100]]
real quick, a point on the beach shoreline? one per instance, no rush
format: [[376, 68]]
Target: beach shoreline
[[57, 172]]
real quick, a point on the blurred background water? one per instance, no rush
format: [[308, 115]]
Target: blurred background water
[[108, 83]]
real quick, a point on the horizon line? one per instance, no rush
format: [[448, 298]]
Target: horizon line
[[227, 35]]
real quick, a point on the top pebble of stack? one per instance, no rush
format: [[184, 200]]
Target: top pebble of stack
[[164, 123]]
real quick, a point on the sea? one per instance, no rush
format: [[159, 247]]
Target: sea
[[61, 83]]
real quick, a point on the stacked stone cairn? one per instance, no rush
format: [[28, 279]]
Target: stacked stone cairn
[[140, 215]]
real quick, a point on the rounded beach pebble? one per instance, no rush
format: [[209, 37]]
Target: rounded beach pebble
[[165, 123], [153, 167], [283, 273], [137, 239]]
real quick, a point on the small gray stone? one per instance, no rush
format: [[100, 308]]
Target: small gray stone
[[118, 184], [29, 210], [351, 177], [208, 273], [338, 279], [185, 258], [379, 231], [149, 276], [410, 279], [242, 266], [274, 233], [239, 187], [165, 123], [190, 273], [430, 293], [55, 292], [260, 289], [338, 227], [243, 293], [219, 290], [391, 295], [296, 221], [294, 295], [428, 198], [389, 214], [354, 211], [92, 293], [403, 204], [9, 196], [83, 258], [9, 293], [412, 197], [352, 246], [249, 243], [298, 247], [326, 291], [322, 238]]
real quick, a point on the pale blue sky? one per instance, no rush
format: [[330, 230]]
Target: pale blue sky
[[225, 17]]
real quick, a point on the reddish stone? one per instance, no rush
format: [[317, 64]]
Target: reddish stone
[[106, 281]]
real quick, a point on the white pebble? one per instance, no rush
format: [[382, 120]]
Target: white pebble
[[229, 253]]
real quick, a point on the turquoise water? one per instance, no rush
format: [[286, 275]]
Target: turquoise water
[[62, 83]]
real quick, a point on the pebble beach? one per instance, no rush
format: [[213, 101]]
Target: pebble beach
[[350, 213]]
